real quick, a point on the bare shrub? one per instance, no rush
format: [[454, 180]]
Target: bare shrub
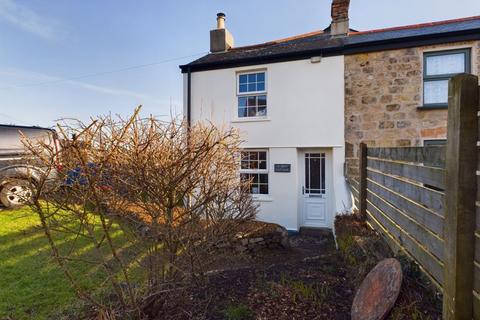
[[146, 202]]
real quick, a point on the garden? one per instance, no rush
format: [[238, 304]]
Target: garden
[[310, 280], [149, 220]]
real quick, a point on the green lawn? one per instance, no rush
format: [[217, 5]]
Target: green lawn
[[31, 284]]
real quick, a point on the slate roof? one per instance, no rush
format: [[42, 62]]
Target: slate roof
[[321, 43]]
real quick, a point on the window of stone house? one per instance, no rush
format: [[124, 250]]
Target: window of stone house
[[254, 168], [438, 68], [435, 143], [252, 94]]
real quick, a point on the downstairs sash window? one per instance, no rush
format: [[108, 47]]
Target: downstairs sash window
[[254, 169]]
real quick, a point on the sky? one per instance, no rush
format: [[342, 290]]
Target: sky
[[81, 58]]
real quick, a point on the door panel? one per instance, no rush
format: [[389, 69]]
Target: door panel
[[315, 210]]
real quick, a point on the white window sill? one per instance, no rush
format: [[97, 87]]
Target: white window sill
[[262, 198], [250, 119]]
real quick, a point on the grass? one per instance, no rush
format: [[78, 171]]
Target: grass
[[238, 312], [31, 284]]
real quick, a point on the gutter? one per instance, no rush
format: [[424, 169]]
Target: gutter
[[344, 49]]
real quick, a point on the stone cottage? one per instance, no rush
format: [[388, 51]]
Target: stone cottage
[[389, 101]]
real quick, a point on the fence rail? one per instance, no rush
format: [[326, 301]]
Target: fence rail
[[424, 201]]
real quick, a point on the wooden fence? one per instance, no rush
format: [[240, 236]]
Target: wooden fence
[[424, 201]]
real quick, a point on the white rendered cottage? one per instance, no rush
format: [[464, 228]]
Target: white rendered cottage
[[291, 116]]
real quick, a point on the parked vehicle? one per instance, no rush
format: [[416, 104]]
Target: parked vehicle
[[19, 174]]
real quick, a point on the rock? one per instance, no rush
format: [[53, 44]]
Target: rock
[[257, 235], [241, 248]]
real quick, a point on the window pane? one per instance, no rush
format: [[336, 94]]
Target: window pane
[[445, 64], [252, 77], [315, 173], [243, 78], [261, 77], [242, 101], [252, 87], [252, 101], [252, 112], [264, 178], [253, 155], [242, 112], [260, 86], [307, 173], [254, 189], [435, 92], [244, 164], [243, 88], [263, 165], [434, 143], [262, 100], [264, 189], [262, 155], [262, 111]]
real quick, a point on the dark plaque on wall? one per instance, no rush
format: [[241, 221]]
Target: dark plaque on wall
[[282, 167]]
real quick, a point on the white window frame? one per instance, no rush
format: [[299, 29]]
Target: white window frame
[[251, 93], [258, 171], [323, 178]]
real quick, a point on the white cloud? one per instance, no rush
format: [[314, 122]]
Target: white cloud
[[25, 18], [24, 77]]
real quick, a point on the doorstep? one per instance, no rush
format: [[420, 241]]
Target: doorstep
[[315, 232]]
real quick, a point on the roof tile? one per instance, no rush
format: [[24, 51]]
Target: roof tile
[[319, 42]]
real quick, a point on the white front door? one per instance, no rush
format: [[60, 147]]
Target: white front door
[[314, 190]]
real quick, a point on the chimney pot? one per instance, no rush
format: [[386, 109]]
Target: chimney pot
[[220, 20]]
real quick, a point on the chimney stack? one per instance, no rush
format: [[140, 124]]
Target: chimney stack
[[339, 26], [220, 39]]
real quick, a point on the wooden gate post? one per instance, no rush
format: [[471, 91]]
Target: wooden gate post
[[362, 192], [461, 166]]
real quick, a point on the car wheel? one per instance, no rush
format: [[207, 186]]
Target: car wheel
[[16, 193]]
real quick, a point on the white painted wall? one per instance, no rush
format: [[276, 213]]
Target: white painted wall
[[281, 205], [305, 110]]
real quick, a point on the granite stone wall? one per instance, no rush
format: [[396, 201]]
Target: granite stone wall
[[383, 99]]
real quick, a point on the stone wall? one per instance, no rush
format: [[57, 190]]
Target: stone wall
[[257, 235], [383, 91]]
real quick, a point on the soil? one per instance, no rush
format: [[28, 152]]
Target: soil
[[310, 280]]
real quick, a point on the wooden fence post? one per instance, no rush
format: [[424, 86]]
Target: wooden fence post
[[460, 194], [362, 192]]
